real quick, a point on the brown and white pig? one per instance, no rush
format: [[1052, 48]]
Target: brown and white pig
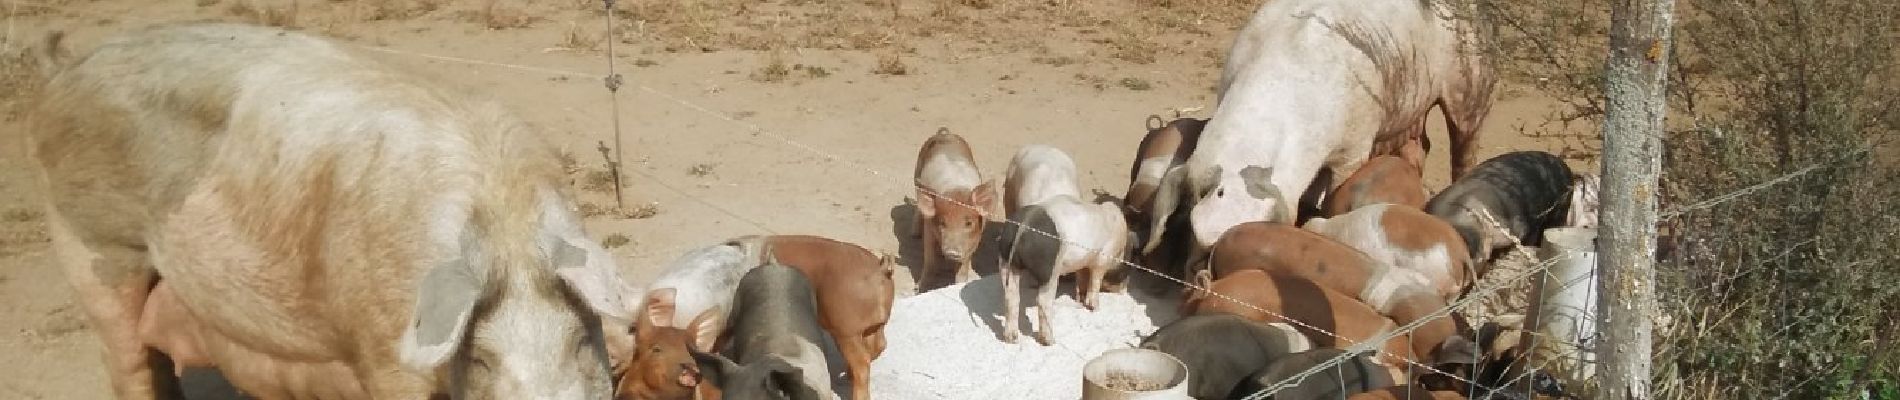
[[773, 345], [1087, 238], [1525, 191], [1401, 294], [662, 366], [1165, 147], [1382, 179], [1321, 85], [1221, 350], [952, 199], [1405, 238], [1341, 320], [331, 226], [854, 294]]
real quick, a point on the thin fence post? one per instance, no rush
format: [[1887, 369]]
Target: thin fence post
[[1634, 87], [613, 93]]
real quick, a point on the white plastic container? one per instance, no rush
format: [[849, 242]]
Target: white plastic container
[[1564, 312], [1140, 367]]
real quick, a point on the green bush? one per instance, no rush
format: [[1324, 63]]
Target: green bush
[[1785, 292]]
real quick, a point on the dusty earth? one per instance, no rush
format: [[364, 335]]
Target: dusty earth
[[727, 132]]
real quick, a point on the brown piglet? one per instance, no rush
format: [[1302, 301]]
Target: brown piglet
[[952, 199]]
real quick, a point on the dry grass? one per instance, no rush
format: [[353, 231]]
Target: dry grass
[[890, 63], [577, 38], [264, 12], [615, 240], [638, 211], [774, 70], [19, 76], [494, 15], [598, 181]]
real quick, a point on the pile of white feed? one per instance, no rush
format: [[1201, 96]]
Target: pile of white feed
[[945, 343]]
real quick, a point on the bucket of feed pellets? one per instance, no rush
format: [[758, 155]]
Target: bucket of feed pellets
[[1129, 374]]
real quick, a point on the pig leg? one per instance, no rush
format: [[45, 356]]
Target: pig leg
[[965, 271], [1045, 298], [111, 283], [1095, 274], [857, 358], [1012, 301], [933, 255]]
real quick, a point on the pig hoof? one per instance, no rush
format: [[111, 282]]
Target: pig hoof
[[1009, 338], [1044, 339]]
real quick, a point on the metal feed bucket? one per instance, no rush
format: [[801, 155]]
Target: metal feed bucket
[[1129, 374]]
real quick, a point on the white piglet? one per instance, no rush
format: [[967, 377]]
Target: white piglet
[[1054, 233]]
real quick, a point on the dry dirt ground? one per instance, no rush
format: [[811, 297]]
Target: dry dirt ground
[[738, 117]]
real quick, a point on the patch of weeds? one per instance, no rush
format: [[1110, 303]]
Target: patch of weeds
[[494, 16], [812, 71], [1136, 84], [643, 63], [1057, 61], [774, 70], [206, 3], [891, 64], [577, 38], [21, 215], [641, 211], [1092, 80], [615, 240], [598, 181], [271, 15], [569, 164], [700, 170]]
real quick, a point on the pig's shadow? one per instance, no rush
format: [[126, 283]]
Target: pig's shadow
[[208, 384], [910, 248], [984, 300]]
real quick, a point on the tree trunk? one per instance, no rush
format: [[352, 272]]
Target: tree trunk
[[1634, 84]]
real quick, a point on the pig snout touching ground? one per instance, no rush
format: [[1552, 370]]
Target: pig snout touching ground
[[661, 367], [773, 348], [389, 238], [1166, 146], [1088, 238], [1401, 294], [1163, 243], [1331, 319], [1220, 350], [1525, 191], [854, 296], [1383, 179], [1405, 238], [1358, 374], [952, 197]]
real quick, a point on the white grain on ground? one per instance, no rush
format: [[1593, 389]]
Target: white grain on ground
[[944, 344]]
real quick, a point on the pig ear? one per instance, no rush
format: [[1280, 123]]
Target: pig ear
[[592, 276], [659, 307], [1167, 197], [926, 203], [706, 328], [713, 368], [984, 195], [446, 296]]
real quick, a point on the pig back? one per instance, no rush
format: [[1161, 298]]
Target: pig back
[[1220, 349], [1525, 191]]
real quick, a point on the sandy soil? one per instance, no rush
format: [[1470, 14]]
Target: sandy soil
[[713, 148]]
